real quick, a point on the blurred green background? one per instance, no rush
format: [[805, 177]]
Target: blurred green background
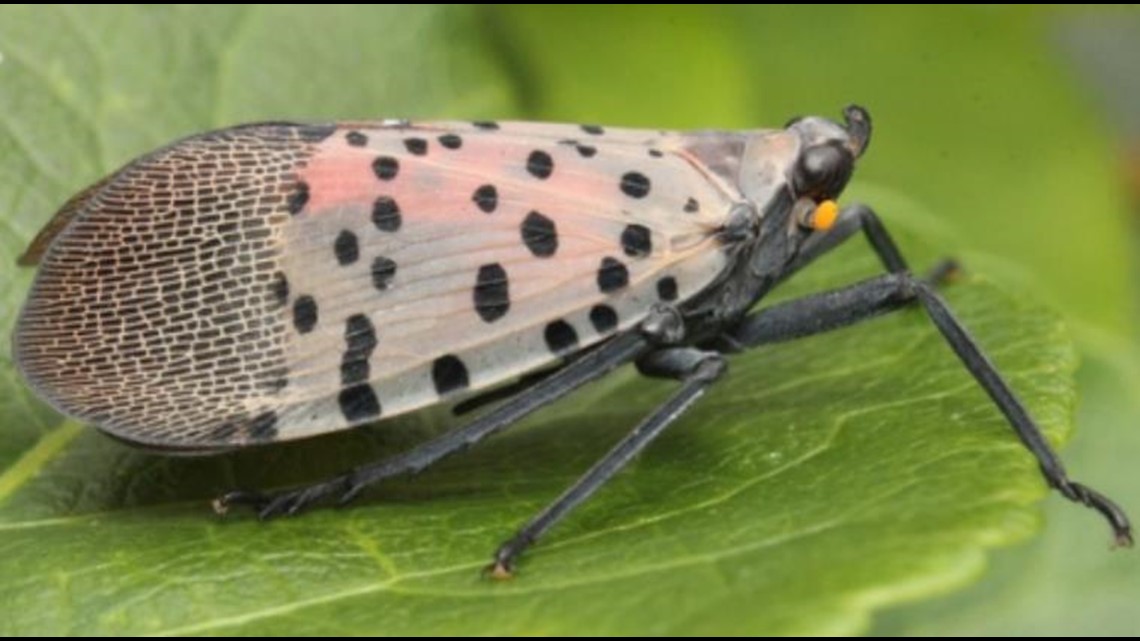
[[1010, 128]]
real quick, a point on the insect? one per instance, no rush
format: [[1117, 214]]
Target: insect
[[277, 281]]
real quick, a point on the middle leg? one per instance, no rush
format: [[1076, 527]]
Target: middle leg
[[696, 369]]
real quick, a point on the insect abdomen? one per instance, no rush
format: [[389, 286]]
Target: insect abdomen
[[155, 310]]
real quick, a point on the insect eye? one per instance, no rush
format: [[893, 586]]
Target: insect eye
[[822, 171]]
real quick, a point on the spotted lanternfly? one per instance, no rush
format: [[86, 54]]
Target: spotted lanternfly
[[276, 281]]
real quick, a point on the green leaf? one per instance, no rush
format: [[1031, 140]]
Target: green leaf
[[826, 477], [1059, 585]]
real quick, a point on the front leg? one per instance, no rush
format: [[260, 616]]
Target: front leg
[[838, 308]]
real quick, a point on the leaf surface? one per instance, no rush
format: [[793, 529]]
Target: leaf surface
[[823, 478]]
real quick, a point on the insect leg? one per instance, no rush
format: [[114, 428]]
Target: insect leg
[[851, 220], [992, 382], [825, 311], [837, 308], [822, 312], [696, 369], [610, 355]]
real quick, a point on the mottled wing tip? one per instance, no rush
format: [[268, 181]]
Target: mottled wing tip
[[31, 256], [70, 210], [155, 313], [62, 218]]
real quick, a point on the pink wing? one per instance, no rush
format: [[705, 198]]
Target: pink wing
[[273, 282]]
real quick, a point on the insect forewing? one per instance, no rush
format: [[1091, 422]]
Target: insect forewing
[[275, 281]]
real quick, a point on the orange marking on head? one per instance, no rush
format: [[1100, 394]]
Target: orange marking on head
[[825, 215]]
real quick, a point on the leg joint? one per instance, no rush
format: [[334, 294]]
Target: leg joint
[[683, 363], [710, 369], [664, 325]]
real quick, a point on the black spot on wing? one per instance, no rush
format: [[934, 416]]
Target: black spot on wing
[[486, 198], [667, 289], [298, 198], [346, 248], [451, 141], [604, 318], [386, 214], [635, 184], [358, 403], [279, 289], [385, 167], [416, 146], [560, 337], [539, 164], [636, 241], [356, 139], [305, 314], [449, 374], [383, 272], [539, 235], [612, 275], [492, 292], [360, 341]]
